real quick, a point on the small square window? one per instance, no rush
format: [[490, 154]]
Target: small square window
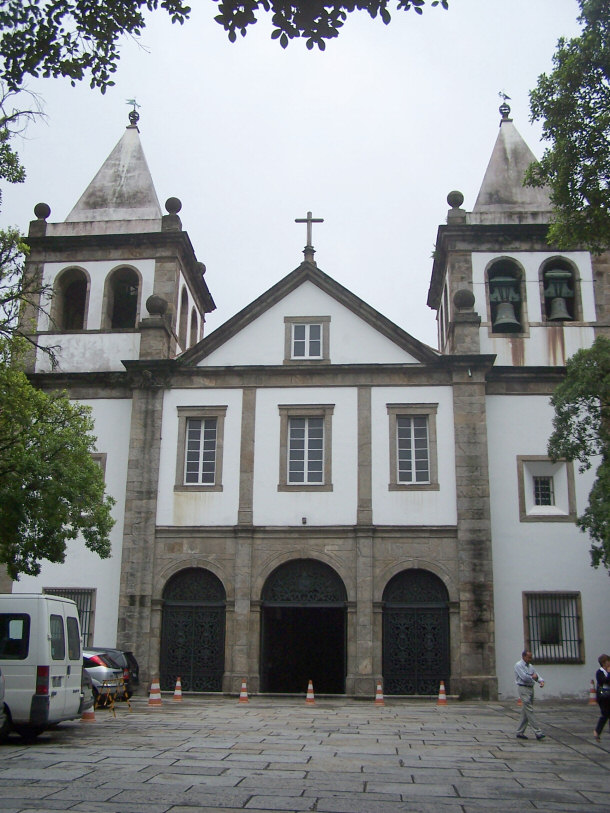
[[306, 339], [546, 489]]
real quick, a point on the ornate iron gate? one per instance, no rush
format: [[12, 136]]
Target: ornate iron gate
[[193, 632], [415, 634]]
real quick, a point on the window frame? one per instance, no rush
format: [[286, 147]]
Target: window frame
[[288, 411], [289, 324], [569, 621], [199, 412], [562, 472], [428, 411], [84, 598]]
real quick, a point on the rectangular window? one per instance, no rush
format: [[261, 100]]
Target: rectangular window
[[553, 627], [413, 452], [84, 599], [412, 449], [306, 341], [200, 463], [306, 450], [544, 492], [200, 448], [14, 636], [306, 338], [305, 447], [58, 638]]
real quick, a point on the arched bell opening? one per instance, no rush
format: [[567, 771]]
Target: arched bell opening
[[193, 631], [416, 654], [559, 290], [506, 297], [69, 309], [303, 629]]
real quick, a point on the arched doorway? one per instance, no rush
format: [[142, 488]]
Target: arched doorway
[[193, 632], [415, 634], [303, 630]]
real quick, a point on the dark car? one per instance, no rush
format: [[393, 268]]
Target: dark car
[[126, 661]]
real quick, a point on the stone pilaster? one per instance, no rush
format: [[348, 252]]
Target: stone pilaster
[[138, 556], [477, 638]]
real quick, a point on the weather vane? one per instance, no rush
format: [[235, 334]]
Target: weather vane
[[134, 116], [504, 108]]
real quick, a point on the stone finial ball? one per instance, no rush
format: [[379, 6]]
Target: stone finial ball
[[455, 199], [173, 205], [42, 210], [201, 268], [463, 299], [156, 305]]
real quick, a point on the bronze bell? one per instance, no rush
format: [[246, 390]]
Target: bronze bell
[[506, 321], [559, 310]]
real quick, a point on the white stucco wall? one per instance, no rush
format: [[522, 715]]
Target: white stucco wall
[[537, 556], [82, 568], [199, 507], [542, 347], [413, 507], [351, 339]]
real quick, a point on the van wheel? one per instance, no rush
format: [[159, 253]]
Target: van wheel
[[27, 732], [5, 724]]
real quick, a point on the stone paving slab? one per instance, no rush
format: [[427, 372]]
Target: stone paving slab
[[214, 755]]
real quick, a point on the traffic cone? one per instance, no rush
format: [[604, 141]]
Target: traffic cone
[[442, 697], [519, 701], [88, 715], [310, 698], [178, 691], [379, 701], [592, 695], [243, 695], [154, 699]]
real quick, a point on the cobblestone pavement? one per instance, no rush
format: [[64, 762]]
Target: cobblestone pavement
[[337, 756]]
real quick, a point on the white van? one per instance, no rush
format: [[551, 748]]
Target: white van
[[41, 660]]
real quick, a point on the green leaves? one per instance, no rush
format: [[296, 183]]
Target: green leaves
[[581, 431], [573, 103], [316, 21], [51, 489]]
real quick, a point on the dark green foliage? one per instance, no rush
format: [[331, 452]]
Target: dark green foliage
[[51, 489], [581, 431], [80, 38], [573, 103]]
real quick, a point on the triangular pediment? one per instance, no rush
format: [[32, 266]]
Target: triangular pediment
[[304, 289]]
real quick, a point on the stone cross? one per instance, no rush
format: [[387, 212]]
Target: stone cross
[[309, 220]]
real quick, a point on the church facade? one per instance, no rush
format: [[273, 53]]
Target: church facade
[[309, 492]]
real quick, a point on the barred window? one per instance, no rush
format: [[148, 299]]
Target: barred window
[[553, 627], [85, 604], [544, 491]]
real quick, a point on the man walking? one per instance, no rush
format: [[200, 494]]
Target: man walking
[[525, 678]]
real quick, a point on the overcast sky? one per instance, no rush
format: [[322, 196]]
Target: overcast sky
[[370, 135]]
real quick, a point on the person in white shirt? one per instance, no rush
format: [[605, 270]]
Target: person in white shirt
[[526, 678]]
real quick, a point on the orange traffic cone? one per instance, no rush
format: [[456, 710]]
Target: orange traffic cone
[[178, 691], [243, 695], [154, 699], [88, 715], [310, 698], [592, 694], [379, 701], [519, 701], [442, 697]]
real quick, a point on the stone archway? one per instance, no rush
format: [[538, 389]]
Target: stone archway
[[303, 630], [193, 631], [416, 654]]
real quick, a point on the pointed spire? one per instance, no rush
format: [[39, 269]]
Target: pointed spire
[[123, 188], [502, 191]]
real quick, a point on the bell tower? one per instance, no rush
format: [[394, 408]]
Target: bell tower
[[497, 285], [123, 278]]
